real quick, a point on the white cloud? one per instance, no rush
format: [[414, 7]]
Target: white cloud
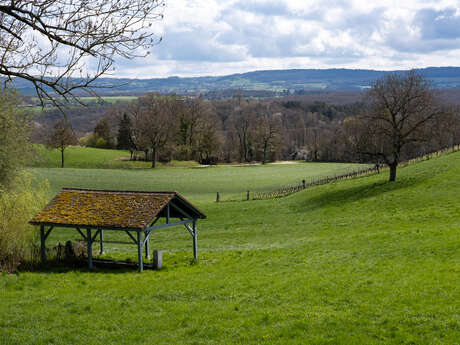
[[216, 37]]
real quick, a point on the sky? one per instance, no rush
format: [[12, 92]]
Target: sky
[[219, 37]]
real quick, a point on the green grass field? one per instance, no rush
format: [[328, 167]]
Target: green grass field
[[360, 261], [106, 171], [90, 158], [109, 99]]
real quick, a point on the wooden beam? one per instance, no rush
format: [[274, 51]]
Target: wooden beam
[[81, 233], [95, 235], [147, 245], [132, 237], [181, 211], [89, 248], [156, 220], [195, 241], [42, 244], [85, 226], [101, 238], [139, 251], [190, 230], [114, 242], [48, 232], [168, 225]]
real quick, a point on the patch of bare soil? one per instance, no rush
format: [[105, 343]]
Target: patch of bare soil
[[285, 162]]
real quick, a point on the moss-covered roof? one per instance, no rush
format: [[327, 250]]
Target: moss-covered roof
[[104, 209]]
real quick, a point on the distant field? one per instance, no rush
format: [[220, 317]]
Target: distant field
[[101, 168], [88, 157], [110, 99], [106, 99], [196, 183]]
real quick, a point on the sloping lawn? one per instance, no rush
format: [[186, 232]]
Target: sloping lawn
[[354, 262]]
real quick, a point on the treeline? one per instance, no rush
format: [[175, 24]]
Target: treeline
[[158, 127]]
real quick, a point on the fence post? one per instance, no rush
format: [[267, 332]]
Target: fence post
[[217, 197], [247, 196], [303, 184]]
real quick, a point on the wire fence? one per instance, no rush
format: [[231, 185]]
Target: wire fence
[[304, 184]]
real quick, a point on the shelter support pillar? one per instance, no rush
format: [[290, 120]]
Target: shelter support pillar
[[139, 251], [89, 247], [195, 239], [101, 238], [42, 244], [147, 246]]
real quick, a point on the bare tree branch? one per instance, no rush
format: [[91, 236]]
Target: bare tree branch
[[63, 46]]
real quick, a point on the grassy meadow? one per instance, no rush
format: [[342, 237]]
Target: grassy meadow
[[104, 171], [360, 261], [91, 158]]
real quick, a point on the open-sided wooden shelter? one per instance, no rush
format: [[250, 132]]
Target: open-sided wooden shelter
[[133, 212]]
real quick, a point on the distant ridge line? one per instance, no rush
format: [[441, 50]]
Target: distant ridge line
[[278, 81]]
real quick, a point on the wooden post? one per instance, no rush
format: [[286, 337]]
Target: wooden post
[[247, 196], [168, 214], [195, 240], [42, 244], [89, 248], [217, 197], [157, 259], [303, 184], [101, 237], [147, 246], [139, 251]]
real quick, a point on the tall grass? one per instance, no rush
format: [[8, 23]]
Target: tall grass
[[17, 206]]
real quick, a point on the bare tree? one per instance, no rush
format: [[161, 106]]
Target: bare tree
[[267, 131], [193, 119], [60, 137], [62, 46], [402, 108], [208, 143], [154, 121]]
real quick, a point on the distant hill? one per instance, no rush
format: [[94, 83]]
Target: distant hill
[[275, 81]]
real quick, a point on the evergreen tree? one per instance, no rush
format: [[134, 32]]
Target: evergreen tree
[[124, 138]]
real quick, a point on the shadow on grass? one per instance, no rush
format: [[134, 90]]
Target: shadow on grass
[[364, 190], [100, 266]]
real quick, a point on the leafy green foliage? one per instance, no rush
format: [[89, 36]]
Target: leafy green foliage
[[15, 148], [17, 206]]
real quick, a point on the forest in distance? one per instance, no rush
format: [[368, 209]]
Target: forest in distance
[[316, 126]]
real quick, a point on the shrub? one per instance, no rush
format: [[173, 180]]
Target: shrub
[[17, 206], [15, 148]]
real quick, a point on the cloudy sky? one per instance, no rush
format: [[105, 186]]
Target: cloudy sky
[[217, 37]]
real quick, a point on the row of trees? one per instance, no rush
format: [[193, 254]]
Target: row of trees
[[234, 129], [399, 118]]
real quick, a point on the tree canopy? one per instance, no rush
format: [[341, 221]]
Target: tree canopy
[[15, 147], [402, 112]]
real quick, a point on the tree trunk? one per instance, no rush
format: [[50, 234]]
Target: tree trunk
[[265, 154], [62, 158], [393, 167], [154, 156]]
